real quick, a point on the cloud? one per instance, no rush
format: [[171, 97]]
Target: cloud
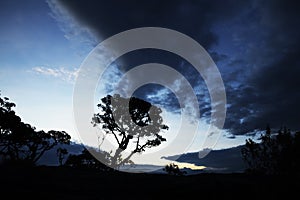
[[79, 35], [254, 43], [194, 18], [60, 73], [268, 91]]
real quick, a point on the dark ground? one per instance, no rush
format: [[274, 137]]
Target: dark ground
[[67, 183]]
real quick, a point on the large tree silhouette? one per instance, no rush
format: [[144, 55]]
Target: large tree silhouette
[[130, 121], [20, 142]]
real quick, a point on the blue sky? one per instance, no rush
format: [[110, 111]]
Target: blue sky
[[253, 43], [38, 64]]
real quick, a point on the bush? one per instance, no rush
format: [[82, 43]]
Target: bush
[[277, 153], [173, 169]]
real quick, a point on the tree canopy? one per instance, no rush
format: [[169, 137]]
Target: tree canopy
[[130, 120], [20, 142]]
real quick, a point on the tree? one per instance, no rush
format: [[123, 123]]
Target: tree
[[130, 120], [276, 153], [20, 142]]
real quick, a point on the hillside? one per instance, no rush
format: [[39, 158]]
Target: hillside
[[225, 160], [221, 161]]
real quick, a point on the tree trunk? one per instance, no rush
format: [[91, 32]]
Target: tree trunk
[[114, 161]]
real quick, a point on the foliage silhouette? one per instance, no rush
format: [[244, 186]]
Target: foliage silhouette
[[130, 120], [173, 169], [277, 153], [20, 142], [86, 160]]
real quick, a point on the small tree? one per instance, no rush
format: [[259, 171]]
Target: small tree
[[86, 160], [173, 169], [130, 120], [20, 142]]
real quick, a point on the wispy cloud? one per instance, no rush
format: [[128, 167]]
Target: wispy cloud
[[60, 73], [75, 32]]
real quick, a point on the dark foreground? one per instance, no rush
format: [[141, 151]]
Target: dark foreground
[[67, 183]]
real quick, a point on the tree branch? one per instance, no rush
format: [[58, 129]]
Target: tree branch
[[39, 155], [137, 143], [115, 137], [127, 159]]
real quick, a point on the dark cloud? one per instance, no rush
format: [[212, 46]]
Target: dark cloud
[[194, 18], [255, 44], [218, 57], [169, 100], [270, 92]]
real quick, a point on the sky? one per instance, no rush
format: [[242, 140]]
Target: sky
[[254, 44]]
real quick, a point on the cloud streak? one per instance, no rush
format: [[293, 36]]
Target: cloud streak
[[75, 32], [60, 73]]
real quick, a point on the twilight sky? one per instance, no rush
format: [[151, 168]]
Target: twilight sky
[[255, 45]]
